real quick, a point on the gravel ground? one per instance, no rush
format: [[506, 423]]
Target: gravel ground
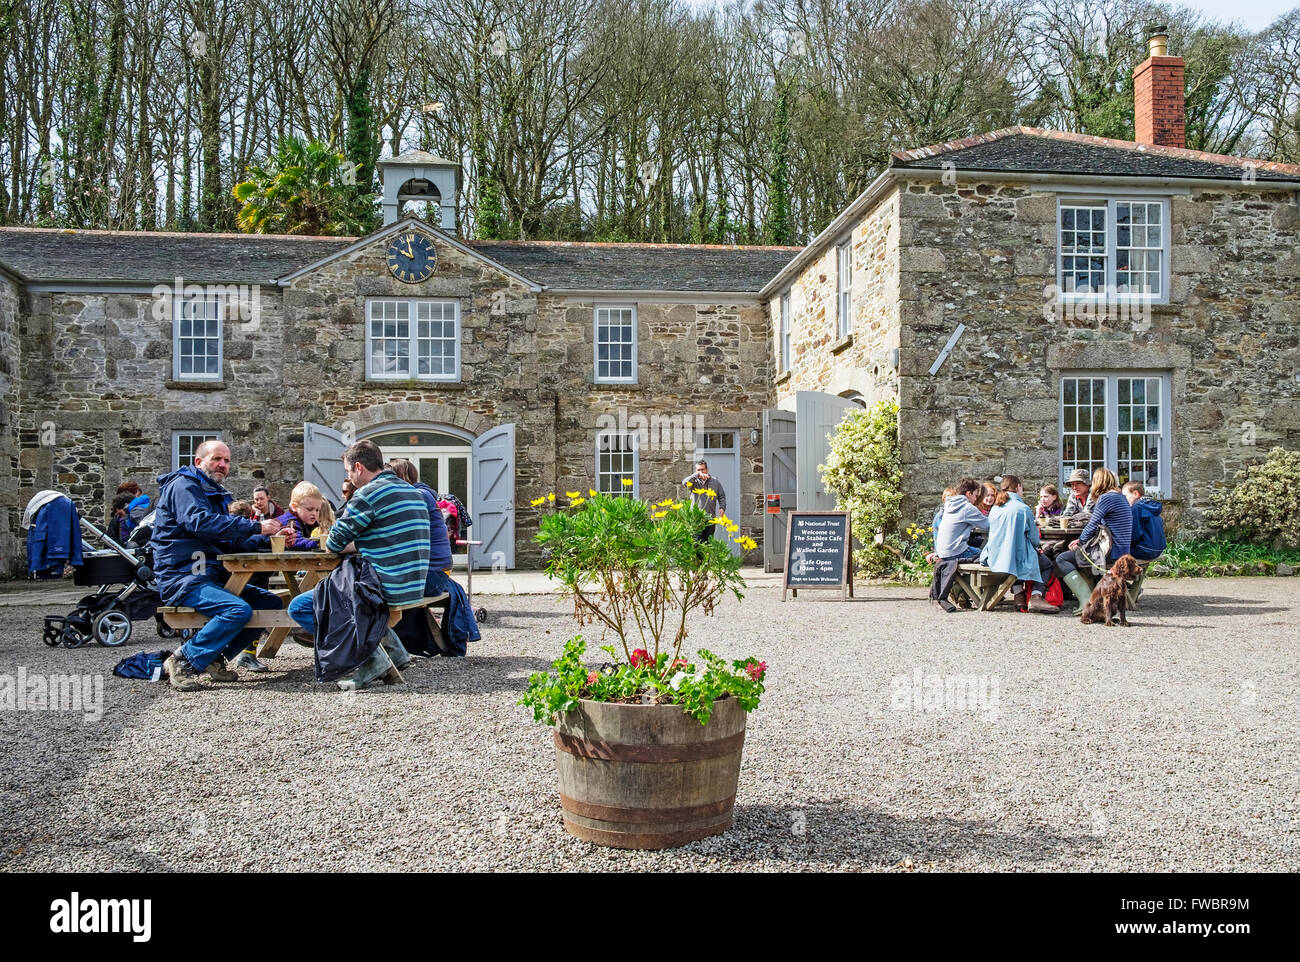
[[1166, 746]]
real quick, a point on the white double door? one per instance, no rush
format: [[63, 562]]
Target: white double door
[[447, 469]]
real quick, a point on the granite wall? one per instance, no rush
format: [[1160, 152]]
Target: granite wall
[[11, 508]]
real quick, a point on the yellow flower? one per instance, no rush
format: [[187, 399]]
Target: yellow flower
[[659, 514], [931, 527], [627, 482], [577, 501], [592, 492], [536, 501], [570, 494], [664, 503], [550, 497], [676, 506]]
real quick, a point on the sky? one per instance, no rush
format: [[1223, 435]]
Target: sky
[[1253, 14]]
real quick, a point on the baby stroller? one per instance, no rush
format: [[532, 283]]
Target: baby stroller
[[127, 592]]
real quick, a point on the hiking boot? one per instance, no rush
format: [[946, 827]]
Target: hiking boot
[[393, 677], [181, 673], [218, 671], [1039, 603], [303, 637], [248, 661]]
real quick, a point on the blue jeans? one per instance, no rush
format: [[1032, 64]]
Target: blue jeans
[[970, 554], [300, 610], [224, 634]]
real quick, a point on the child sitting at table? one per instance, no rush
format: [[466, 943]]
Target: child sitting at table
[[303, 516], [1049, 502], [241, 508], [322, 529]]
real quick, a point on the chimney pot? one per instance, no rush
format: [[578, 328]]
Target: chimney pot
[[1158, 41]]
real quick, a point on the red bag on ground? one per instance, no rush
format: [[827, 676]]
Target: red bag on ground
[[1054, 595]]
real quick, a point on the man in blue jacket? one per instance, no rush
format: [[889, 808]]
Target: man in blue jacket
[[192, 525]]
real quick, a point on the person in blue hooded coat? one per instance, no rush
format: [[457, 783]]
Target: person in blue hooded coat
[[1148, 541], [1013, 543], [191, 526]]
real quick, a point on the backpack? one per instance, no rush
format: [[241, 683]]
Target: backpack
[[144, 665], [1054, 595]]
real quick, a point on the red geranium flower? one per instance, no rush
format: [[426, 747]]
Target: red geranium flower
[[679, 663], [641, 658], [756, 670], [591, 677]]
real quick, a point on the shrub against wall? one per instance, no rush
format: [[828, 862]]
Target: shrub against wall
[[1263, 504], [865, 473]]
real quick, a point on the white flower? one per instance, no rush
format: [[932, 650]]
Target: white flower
[[677, 679]]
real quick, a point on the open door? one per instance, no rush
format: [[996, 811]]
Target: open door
[[816, 416], [721, 451], [779, 478], [494, 498], [322, 465]]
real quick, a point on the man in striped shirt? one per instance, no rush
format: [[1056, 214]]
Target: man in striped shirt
[[387, 521]]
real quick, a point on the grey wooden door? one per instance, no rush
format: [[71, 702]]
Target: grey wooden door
[[816, 416], [493, 478], [779, 477], [719, 449], [322, 465]]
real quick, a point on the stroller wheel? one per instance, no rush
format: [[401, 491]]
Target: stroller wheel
[[111, 628], [72, 638], [480, 614]]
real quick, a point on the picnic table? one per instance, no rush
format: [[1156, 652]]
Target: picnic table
[[983, 586], [314, 565]]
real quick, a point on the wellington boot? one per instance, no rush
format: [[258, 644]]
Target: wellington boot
[[1078, 586]]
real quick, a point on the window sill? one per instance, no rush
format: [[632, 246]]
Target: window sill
[[410, 384], [843, 345], [174, 385], [615, 386]]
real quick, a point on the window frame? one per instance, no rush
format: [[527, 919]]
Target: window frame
[[1111, 433], [784, 332], [413, 339], [844, 289], [1110, 290], [635, 448], [189, 433], [595, 341], [178, 303]]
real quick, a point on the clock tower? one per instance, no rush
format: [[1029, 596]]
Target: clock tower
[[419, 175]]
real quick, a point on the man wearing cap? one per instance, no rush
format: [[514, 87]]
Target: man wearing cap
[[1079, 482]]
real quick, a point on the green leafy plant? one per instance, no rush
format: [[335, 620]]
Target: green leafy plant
[[865, 473], [1211, 558], [303, 188], [644, 680], [1263, 504], [638, 570]]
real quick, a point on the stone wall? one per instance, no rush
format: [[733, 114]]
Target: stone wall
[[984, 254], [11, 508], [863, 362], [100, 403]]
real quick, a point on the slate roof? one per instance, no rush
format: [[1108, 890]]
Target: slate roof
[[1034, 150], [145, 257], [149, 257], [633, 267]]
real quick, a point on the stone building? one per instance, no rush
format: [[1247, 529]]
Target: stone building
[[1033, 301], [504, 370]]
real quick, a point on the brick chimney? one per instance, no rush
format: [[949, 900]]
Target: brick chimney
[[1159, 113]]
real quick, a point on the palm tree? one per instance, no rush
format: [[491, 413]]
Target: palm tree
[[304, 188]]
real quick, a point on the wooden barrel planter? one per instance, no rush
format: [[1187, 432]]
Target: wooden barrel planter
[[648, 776]]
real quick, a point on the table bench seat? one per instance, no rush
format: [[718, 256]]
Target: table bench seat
[[984, 586]]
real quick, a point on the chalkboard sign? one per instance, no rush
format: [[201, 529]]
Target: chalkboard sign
[[818, 552]]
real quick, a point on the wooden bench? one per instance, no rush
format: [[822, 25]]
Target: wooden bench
[[181, 618], [984, 586]]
